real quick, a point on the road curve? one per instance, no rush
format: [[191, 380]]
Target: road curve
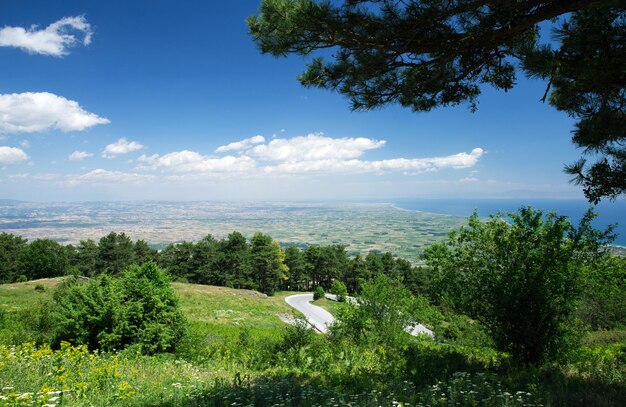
[[316, 316], [321, 319]]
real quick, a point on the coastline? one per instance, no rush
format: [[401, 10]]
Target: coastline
[[610, 213]]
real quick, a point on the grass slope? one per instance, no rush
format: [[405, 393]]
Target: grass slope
[[220, 319], [202, 304]]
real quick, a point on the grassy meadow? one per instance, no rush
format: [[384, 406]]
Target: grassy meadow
[[221, 322], [238, 351]]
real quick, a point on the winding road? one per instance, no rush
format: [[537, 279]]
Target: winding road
[[321, 319], [318, 317]]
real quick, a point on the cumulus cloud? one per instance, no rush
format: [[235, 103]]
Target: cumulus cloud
[[191, 161], [38, 111], [12, 155], [313, 147], [409, 166], [121, 146], [240, 145], [102, 176], [314, 153], [55, 39], [79, 155]]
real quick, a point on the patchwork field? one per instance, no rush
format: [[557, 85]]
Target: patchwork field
[[361, 227]]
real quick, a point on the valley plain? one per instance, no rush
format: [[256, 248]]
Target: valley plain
[[360, 227]]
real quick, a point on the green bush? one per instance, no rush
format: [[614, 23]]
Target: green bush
[[521, 277], [604, 299], [40, 288], [318, 293], [108, 313], [339, 289], [427, 360], [291, 350], [385, 308]]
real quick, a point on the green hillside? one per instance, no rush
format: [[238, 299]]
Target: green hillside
[[238, 352], [207, 308]]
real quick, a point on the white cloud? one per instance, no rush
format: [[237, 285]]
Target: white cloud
[[102, 176], [12, 155], [25, 144], [313, 147], [456, 161], [53, 40], [410, 166], [191, 161], [79, 155], [313, 153], [38, 111], [121, 146], [240, 145]]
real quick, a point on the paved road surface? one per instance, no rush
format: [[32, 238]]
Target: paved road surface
[[317, 316], [322, 319]]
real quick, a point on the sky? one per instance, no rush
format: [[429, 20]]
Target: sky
[[126, 100]]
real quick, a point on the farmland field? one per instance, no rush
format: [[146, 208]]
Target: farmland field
[[361, 227]]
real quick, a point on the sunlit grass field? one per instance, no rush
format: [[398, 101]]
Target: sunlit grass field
[[232, 356], [220, 320]]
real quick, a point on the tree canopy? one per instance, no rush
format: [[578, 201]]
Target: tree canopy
[[424, 54]]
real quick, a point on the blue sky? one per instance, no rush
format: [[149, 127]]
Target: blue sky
[[143, 101]]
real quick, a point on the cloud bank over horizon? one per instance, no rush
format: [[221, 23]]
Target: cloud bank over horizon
[[311, 166], [314, 153]]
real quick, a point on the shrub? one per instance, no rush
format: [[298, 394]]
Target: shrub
[[604, 300], [108, 313], [385, 309], [522, 278], [40, 288], [318, 293], [296, 338], [339, 289]]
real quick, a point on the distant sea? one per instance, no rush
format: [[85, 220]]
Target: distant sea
[[609, 212]]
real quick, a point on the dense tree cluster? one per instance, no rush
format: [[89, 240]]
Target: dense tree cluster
[[44, 258], [258, 263]]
